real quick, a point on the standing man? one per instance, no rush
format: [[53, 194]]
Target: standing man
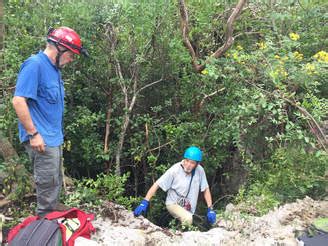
[[182, 183], [39, 105]]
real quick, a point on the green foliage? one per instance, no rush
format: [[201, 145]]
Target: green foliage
[[175, 225], [243, 110], [82, 142], [92, 192], [82, 195], [16, 180], [257, 200], [290, 174]]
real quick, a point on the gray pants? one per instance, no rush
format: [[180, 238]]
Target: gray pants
[[48, 177]]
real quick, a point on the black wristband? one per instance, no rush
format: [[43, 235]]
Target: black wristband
[[30, 136]]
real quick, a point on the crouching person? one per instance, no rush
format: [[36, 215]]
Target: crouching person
[[182, 182]]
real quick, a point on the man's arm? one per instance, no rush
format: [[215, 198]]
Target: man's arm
[[151, 192], [211, 215], [22, 111], [143, 207], [208, 197]]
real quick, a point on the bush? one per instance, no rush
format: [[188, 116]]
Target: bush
[[289, 174], [91, 192]]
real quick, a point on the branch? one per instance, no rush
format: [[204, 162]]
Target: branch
[[10, 88], [220, 51], [148, 85], [185, 33], [209, 95], [245, 33], [312, 122], [159, 147], [229, 39], [110, 34]]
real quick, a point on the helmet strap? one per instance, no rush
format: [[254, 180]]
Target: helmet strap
[[59, 54], [193, 170]]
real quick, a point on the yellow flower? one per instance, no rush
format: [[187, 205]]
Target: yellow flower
[[321, 56], [280, 71], [294, 36], [67, 145], [284, 73], [277, 57], [137, 158], [239, 47], [274, 74], [310, 68], [204, 72], [235, 55], [285, 58], [298, 56], [262, 45]]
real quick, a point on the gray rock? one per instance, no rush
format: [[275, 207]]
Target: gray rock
[[278, 227]]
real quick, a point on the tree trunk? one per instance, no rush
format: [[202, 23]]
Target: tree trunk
[[122, 136], [108, 117], [7, 151], [120, 144], [2, 25]]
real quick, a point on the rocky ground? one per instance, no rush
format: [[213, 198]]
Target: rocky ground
[[279, 227], [117, 226]]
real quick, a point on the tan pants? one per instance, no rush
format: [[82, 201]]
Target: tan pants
[[180, 213]]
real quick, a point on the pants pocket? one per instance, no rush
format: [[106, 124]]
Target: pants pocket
[[46, 181]]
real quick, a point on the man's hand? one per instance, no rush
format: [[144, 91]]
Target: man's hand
[[142, 208], [211, 216], [37, 143]]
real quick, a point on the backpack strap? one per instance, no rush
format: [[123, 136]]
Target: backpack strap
[[85, 223], [192, 176], [71, 213], [13, 232], [85, 230]]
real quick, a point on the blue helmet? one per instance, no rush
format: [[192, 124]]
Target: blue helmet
[[193, 153]]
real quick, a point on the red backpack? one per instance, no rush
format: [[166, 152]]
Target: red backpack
[[46, 230]]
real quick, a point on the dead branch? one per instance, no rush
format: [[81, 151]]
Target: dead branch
[[313, 124], [130, 94], [148, 85], [161, 146], [228, 35], [209, 95]]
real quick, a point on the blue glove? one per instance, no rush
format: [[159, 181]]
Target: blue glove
[[211, 216], [142, 208]]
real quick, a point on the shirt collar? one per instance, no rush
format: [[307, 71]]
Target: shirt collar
[[46, 59]]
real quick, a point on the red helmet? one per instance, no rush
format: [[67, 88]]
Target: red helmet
[[68, 38]]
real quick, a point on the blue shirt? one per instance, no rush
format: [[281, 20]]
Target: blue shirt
[[40, 82]]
